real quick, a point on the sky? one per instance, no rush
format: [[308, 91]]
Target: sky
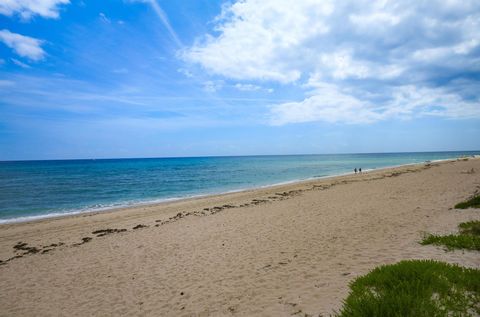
[[159, 78]]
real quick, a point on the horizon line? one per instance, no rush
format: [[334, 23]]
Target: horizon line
[[224, 156]]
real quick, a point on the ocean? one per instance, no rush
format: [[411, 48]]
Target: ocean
[[37, 189]]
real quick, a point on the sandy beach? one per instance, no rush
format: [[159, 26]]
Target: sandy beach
[[278, 251]]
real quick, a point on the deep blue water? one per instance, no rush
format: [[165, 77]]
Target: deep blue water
[[41, 188]]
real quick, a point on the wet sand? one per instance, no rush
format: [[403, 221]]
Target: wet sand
[[278, 251]]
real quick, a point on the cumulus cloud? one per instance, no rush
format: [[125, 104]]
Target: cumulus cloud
[[29, 8], [255, 35], [371, 59], [24, 46], [330, 104]]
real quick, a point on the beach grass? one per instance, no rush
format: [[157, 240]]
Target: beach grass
[[473, 202], [415, 288], [467, 238], [470, 227], [454, 241]]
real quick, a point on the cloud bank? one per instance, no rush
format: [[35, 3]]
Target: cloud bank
[[29, 8], [357, 61]]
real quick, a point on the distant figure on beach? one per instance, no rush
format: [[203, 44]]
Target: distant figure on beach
[[355, 170], [360, 170]]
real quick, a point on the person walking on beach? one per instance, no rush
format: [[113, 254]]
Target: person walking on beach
[[360, 170], [355, 170]]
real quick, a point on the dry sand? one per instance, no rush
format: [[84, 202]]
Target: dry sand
[[288, 250]]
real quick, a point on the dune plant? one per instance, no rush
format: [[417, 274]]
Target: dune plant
[[467, 238], [470, 227], [415, 288], [473, 202]]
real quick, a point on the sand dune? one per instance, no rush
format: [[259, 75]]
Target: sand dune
[[279, 251]]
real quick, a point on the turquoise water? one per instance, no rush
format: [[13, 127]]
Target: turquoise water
[[34, 189]]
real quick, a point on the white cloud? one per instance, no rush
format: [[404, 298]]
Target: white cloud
[[104, 18], [29, 8], [247, 87], [19, 63], [406, 100], [330, 104], [350, 55], [341, 65], [185, 72], [163, 18], [255, 36], [251, 87], [213, 85], [24, 46], [374, 19]]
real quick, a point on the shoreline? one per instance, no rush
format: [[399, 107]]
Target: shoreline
[[263, 252], [159, 202]]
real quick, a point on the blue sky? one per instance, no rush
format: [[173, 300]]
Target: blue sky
[[155, 78]]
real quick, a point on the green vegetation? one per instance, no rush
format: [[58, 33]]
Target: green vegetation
[[473, 202], [468, 238], [454, 241], [471, 228], [415, 288]]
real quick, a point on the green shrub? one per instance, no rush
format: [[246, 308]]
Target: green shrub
[[469, 237], [452, 241], [415, 288], [472, 202], [471, 227]]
